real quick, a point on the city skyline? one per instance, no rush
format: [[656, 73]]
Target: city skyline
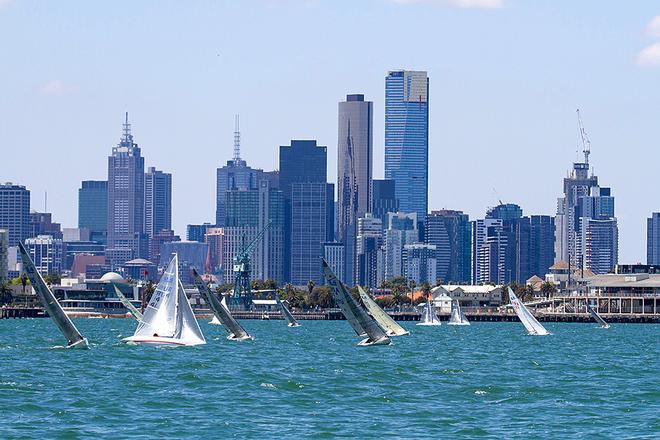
[[469, 118]]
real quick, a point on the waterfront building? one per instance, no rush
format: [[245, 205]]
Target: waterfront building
[[354, 171], [157, 201], [451, 233], [420, 263], [4, 255], [384, 199], [401, 230], [309, 209], [15, 212], [197, 232], [41, 223], [470, 295], [653, 239], [334, 252], [407, 138], [235, 175], [126, 232], [46, 252], [93, 208]]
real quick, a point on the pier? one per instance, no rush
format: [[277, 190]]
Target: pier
[[21, 312]]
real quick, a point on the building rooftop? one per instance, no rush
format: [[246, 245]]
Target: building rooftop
[[112, 277], [625, 281]]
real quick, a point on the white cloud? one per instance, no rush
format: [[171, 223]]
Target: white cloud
[[57, 87], [476, 4], [653, 28], [649, 56]]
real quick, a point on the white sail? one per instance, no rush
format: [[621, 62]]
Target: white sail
[[529, 321], [353, 311], [384, 320], [131, 308], [428, 315], [594, 314], [457, 316], [187, 328], [50, 303], [287, 313], [215, 320], [220, 311]]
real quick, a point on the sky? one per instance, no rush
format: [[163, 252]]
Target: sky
[[506, 77]]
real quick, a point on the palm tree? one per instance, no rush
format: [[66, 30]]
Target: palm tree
[[310, 286], [5, 294]]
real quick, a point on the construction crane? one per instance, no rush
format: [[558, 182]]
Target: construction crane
[[242, 295], [586, 143]]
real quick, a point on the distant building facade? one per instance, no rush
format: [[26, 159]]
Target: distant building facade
[[15, 212], [157, 201], [93, 208], [369, 250], [46, 252], [653, 239], [451, 233], [333, 252], [4, 255], [384, 199], [401, 230], [197, 232], [420, 263]]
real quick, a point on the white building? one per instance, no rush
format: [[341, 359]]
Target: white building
[[46, 252], [335, 254], [471, 296], [420, 263], [401, 230]]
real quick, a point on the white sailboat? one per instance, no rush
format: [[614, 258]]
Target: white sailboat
[[292, 322], [529, 321], [428, 315], [599, 319], [357, 317], [384, 320], [131, 308], [168, 318], [457, 316], [50, 303], [221, 313]]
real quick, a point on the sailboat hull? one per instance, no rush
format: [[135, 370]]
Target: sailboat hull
[[231, 337], [458, 323], [391, 334], [81, 345], [368, 342], [294, 324], [158, 340]]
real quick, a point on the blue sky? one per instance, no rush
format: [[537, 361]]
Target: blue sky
[[506, 77]]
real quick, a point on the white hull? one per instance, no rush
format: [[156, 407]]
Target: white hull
[[294, 325], [458, 323], [234, 338], [367, 342], [390, 334], [157, 340], [80, 344], [430, 324]]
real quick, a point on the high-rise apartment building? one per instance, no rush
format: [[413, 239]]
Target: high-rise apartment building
[[41, 223], [157, 201], [597, 239], [197, 232], [407, 138], [93, 209], [401, 230], [420, 263], [653, 239], [369, 249], [451, 233], [46, 252], [15, 212], [384, 199], [4, 255], [126, 232], [334, 253]]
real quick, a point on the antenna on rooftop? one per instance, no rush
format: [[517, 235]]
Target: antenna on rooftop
[[237, 140]]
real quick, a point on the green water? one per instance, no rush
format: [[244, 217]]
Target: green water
[[486, 380]]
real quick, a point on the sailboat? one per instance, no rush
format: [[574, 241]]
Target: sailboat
[[529, 321], [594, 314], [457, 316], [131, 308], [357, 317], [220, 311], [48, 300], [168, 318], [428, 315], [384, 320], [287, 313]]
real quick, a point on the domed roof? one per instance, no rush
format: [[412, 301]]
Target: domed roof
[[112, 277], [138, 262]]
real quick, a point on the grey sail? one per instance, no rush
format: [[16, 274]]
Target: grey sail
[[287, 314], [353, 311], [599, 319], [131, 308], [235, 330], [383, 319], [48, 300]]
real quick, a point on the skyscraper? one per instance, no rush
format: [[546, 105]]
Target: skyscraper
[[597, 239], [93, 208], [407, 138], [126, 233], [534, 241], [420, 263], [653, 239], [4, 255], [15, 212], [488, 230], [157, 201], [369, 248], [354, 170], [383, 199], [236, 174], [309, 208], [41, 223], [401, 230], [46, 252], [451, 233]]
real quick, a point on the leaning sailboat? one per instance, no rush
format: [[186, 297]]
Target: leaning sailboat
[[168, 318], [354, 313], [384, 320], [532, 325], [292, 322], [457, 316], [48, 300], [599, 319], [220, 312], [428, 315], [131, 308]]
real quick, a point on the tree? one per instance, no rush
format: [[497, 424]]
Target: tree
[[310, 286], [548, 289], [147, 291], [5, 294], [426, 290]]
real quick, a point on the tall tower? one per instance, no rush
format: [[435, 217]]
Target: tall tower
[[354, 172], [407, 138], [157, 201], [126, 232]]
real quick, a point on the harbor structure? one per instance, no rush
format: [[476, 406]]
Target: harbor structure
[[15, 212], [407, 138], [93, 209]]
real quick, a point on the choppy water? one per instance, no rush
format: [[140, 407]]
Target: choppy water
[[486, 380]]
